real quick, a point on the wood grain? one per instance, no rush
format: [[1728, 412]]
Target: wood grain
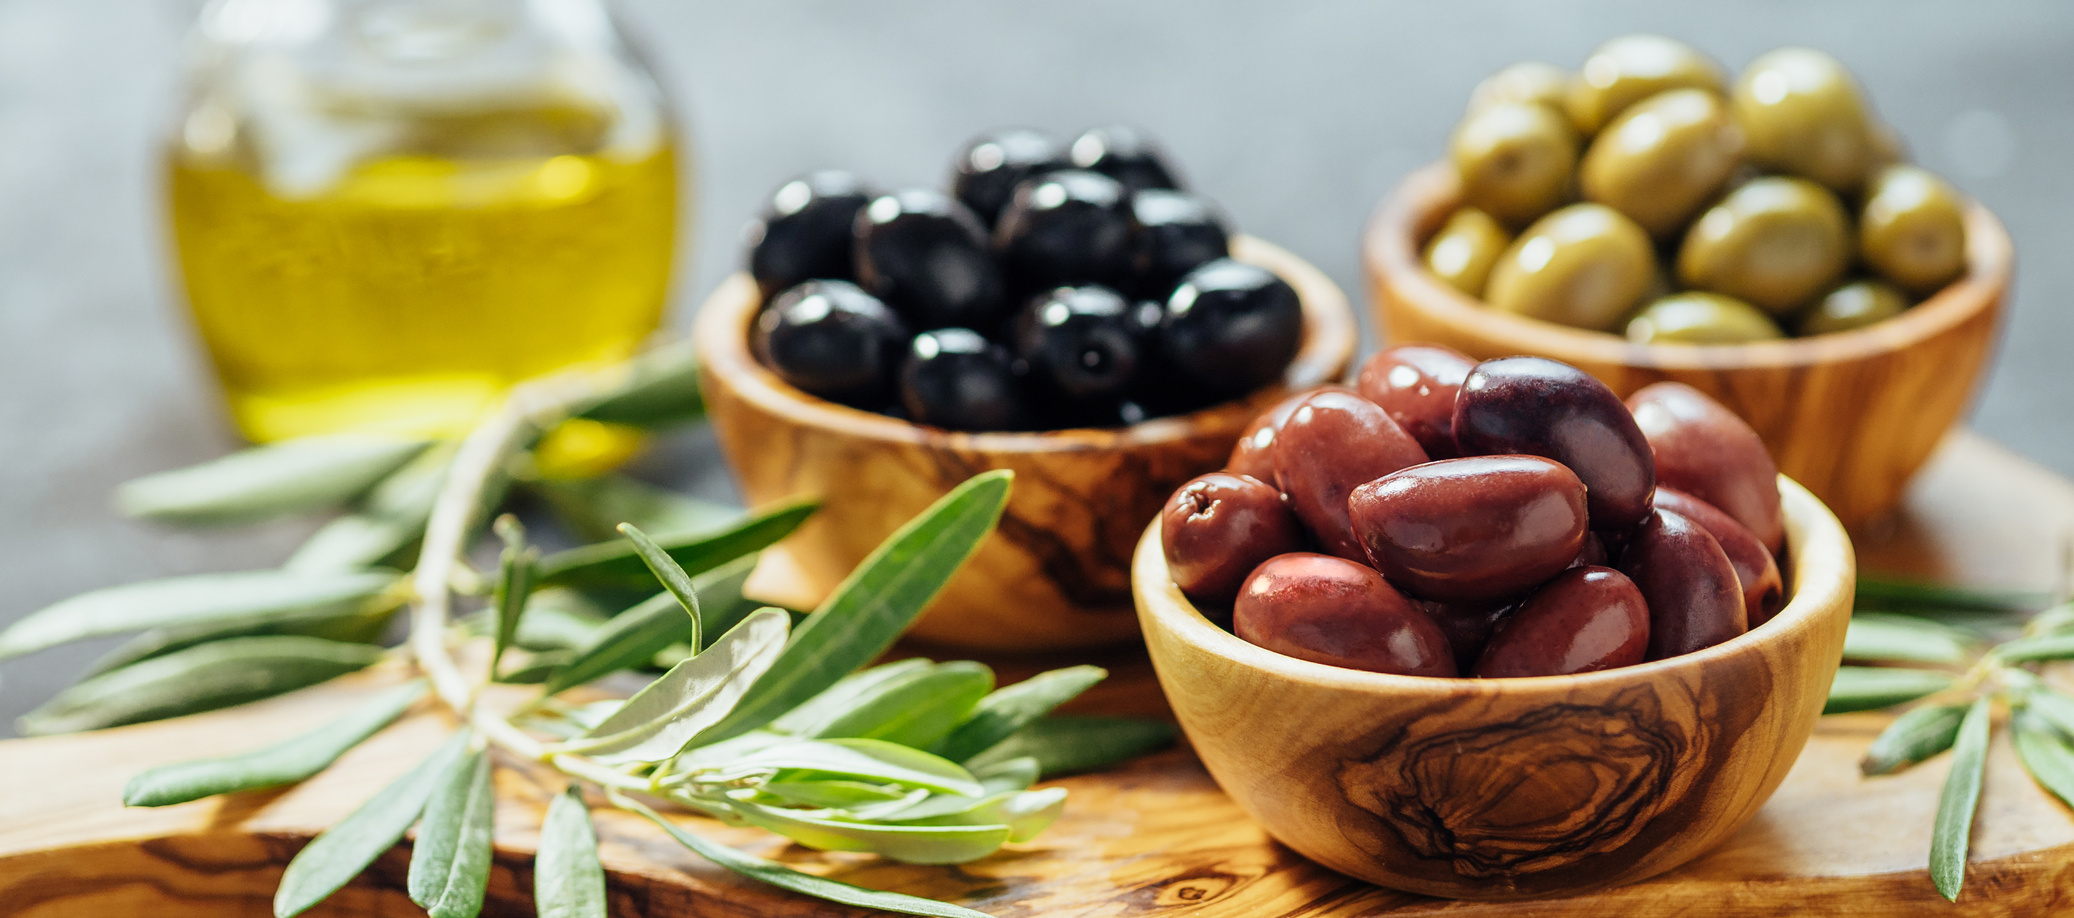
[[1154, 838], [1057, 573], [1850, 415]]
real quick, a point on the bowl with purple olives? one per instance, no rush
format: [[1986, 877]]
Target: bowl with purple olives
[[1483, 630], [1760, 237], [1065, 310]]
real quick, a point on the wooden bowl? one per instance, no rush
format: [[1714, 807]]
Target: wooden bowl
[[1057, 572], [1851, 415], [1508, 788]]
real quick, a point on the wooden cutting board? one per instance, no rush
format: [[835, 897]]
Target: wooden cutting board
[[1153, 838]]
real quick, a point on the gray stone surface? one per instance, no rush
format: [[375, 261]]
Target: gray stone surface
[[1297, 116]]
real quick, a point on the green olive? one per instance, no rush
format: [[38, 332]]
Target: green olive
[[1801, 113], [1663, 159], [1631, 68], [1774, 242], [1585, 265], [1699, 317], [1464, 250], [1526, 81], [1515, 159], [1854, 305], [1912, 229]]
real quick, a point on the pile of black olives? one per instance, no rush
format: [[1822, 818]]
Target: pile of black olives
[[1444, 517], [1779, 204], [1054, 285]]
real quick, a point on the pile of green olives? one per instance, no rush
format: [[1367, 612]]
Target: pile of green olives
[[1647, 194]]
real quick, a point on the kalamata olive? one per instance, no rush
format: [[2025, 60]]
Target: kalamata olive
[[1631, 68], [1065, 228], [989, 167], [1541, 407], [1218, 527], [1695, 600], [803, 233], [1703, 449], [1333, 442], [1913, 229], [1484, 527], [1774, 242], [1801, 113], [1663, 159], [1178, 232], [1230, 327], [1252, 454], [1515, 160], [1594, 551], [1700, 317], [1854, 306], [1465, 250], [829, 338], [1585, 266], [1468, 625], [926, 255], [1584, 620], [1333, 611], [1416, 384], [1764, 590], [1526, 81], [1125, 154]]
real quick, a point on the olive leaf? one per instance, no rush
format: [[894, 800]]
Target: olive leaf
[[1865, 688], [342, 851], [515, 566], [912, 844], [1883, 593], [594, 507], [2036, 648], [353, 625], [292, 476], [879, 599], [2056, 620], [845, 694], [695, 694], [285, 762], [201, 678], [559, 618], [1026, 813], [619, 564], [915, 709], [201, 599], [666, 569], [1007, 774], [2050, 706], [386, 521], [834, 794], [2045, 754], [1916, 735], [875, 761], [1956, 802], [1877, 636], [661, 389], [1065, 745], [450, 863], [630, 639], [568, 879], [1008, 709]]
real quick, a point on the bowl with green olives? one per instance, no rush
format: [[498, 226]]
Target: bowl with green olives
[[1760, 238]]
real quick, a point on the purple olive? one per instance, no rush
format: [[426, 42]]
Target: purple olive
[[1330, 610], [1332, 443], [1593, 553], [1468, 625], [1539, 407], [1480, 528], [1586, 619], [1694, 598], [1764, 589], [1703, 449], [1416, 384], [1218, 527], [1251, 456]]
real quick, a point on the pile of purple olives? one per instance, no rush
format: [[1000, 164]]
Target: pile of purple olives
[[1444, 517], [1055, 285]]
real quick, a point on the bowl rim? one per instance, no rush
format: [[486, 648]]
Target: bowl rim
[[1825, 578], [1391, 243], [720, 334]]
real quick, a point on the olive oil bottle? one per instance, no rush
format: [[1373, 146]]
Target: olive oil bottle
[[386, 215]]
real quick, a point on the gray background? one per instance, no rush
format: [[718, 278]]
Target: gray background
[[1297, 116]]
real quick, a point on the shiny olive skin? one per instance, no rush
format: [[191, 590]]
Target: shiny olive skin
[[1526, 81], [1584, 620], [1699, 317], [1178, 232], [1480, 528], [1853, 306], [1218, 527], [828, 338], [1253, 454], [1468, 625], [1466, 248], [1775, 243], [1416, 384], [803, 233], [989, 166], [1695, 600], [1585, 266], [1125, 154], [956, 379], [1332, 443], [1066, 228], [1540, 407], [1515, 160], [1594, 550], [1631, 68], [1333, 611], [1663, 159], [1230, 327], [926, 255], [1079, 342], [1703, 449], [1801, 113], [1912, 229], [1757, 572]]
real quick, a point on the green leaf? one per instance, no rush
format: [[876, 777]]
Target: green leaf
[[332, 859], [1018, 773], [618, 564], [286, 762], [559, 618], [1025, 813], [1956, 802], [201, 678], [695, 694], [1914, 736], [362, 625], [833, 793], [2045, 755], [1883, 593], [538, 667], [665, 569], [1884, 637], [291, 476], [630, 639], [879, 599], [568, 878], [515, 568], [1013, 707], [450, 863], [912, 844], [1864, 688], [386, 521], [2036, 648], [874, 761], [2049, 705], [594, 507], [2056, 620], [783, 877], [202, 599], [836, 699], [661, 390], [1064, 745], [915, 709]]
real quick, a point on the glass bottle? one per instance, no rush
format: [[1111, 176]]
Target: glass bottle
[[387, 211]]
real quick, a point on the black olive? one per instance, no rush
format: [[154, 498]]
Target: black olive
[[1177, 233], [1231, 327], [956, 379], [830, 339], [1064, 229], [1079, 342], [990, 166], [1125, 154], [926, 255], [804, 231]]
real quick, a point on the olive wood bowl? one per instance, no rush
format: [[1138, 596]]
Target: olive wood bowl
[[1851, 415], [1509, 788], [1056, 574]]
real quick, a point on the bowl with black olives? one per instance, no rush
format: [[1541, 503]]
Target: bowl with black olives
[[1761, 238], [1065, 310], [1483, 630]]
